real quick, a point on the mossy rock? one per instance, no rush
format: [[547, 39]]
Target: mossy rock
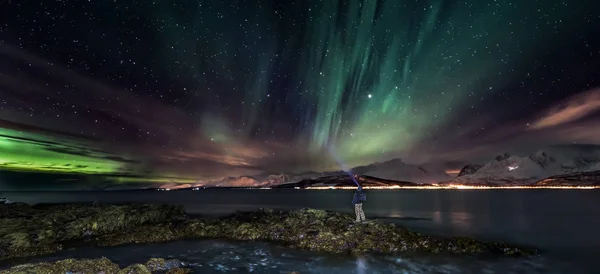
[[102, 265], [84, 266], [179, 271], [202, 228], [135, 269], [43, 229], [144, 234], [160, 264], [250, 231]]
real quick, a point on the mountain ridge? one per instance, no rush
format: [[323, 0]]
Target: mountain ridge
[[544, 163]]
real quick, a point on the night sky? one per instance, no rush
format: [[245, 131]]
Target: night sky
[[204, 89]]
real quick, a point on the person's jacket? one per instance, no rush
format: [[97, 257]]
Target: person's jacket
[[359, 197]]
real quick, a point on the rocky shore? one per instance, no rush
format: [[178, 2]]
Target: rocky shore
[[102, 265], [27, 231]]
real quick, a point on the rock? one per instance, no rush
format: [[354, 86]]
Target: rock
[[34, 230], [502, 157], [84, 266], [93, 266], [135, 269], [159, 264], [179, 271], [469, 169], [310, 229], [542, 159]]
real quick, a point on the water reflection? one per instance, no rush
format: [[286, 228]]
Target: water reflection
[[361, 265], [520, 218], [532, 217], [461, 221], [210, 256], [395, 213], [437, 217]]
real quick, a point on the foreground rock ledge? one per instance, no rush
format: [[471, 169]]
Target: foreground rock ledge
[[102, 265], [42, 229]]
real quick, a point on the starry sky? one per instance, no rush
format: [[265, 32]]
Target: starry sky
[[197, 90]]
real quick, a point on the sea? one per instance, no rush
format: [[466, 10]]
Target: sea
[[564, 224]]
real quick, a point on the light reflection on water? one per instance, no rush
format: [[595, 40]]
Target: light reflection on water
[[395, 213], [437, 217], [245, 257], [361, 265], [563, 223]]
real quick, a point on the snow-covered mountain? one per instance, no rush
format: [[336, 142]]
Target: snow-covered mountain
[[469, 169], [550, 161], [591, 178], [395, 170], [346, 181], [503, 169], [242, 181], [398, 170]]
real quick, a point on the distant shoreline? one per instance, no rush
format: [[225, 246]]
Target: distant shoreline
[[466, 187]]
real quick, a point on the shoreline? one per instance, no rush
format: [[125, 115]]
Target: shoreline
[[102, 265], [454, 187]]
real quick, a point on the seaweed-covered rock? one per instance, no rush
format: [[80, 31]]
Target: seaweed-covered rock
[[160, 264], [135, 269], [84, 266], [332, 232], [95, 266], [34, 230], [309, 229], [151, 233], [179, 271]]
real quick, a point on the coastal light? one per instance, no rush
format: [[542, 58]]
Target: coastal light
[[453, 187]]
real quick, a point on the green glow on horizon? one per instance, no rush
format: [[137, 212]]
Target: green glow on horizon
[[32, 153], [155, 180], [369, 78]]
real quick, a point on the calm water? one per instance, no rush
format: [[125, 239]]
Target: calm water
[[565, 224]]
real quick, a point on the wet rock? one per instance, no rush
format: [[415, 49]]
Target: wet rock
[[135, 269], [34, 230], [98, 266], [309, 229], [179, 271], [85, 266], [160, 264]]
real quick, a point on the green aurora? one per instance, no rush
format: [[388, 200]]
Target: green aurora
[[383, 76], [43, 153], [272, 86]]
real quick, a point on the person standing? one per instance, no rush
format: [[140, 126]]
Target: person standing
[[359, 197]]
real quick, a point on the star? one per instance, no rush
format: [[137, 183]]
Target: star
[[197, 90]]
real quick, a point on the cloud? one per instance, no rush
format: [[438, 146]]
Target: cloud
[[573, 109], [172, 141]]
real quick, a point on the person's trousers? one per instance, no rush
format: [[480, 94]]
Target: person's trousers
[[360, 214]]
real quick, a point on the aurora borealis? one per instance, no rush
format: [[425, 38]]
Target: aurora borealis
[[194, 90]]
